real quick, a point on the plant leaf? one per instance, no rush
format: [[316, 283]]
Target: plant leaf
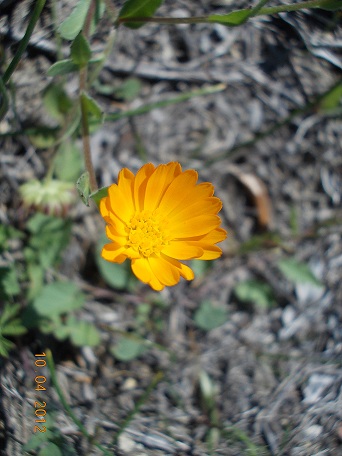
[[58, 298], [73, 24], [209, 316], [80, 50], [138, 8], [234, 18], [62, 67], [83, 333], [5, 346], [91, 106], [255, 292], [330, 5], [298, 272], [98, 195], [68, 162], [56, 101], [83, 187], [127, 349], [14, 328]]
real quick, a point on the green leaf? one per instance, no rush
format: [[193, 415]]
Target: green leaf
[[56, 101], [234, 18], [9, 285], [83, 187], [5, 346], [10, 311], [331, 5], [58, 298], [127, 349], [129, 89], [99, 195], [83, 333], [91, 106], [255, 292], [138, 8], [210, 316], [73, 24], [35, 274], [38, 440], [14, 328], [61, 332], [332, 99], [115, 275], [49, 236], [68, 162], [298, 272], [62, 67], [80, 50]]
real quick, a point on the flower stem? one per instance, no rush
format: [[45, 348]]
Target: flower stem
[[84, 113], [85, 134]]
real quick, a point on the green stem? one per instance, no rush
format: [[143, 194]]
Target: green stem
[[52, 369], [86, 139], [84, 112], [294, 7], [25, 40], [207, 19], [3, 99], [163, 103]]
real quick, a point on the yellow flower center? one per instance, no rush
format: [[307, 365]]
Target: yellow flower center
[[146, 233]]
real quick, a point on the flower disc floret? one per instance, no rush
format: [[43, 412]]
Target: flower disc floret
[[146, 233], [157, 218]]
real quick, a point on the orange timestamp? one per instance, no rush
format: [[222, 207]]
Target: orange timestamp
[[40, 406]]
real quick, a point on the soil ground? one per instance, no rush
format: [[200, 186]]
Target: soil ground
[[274, 155]]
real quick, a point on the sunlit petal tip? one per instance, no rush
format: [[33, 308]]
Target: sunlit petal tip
[[158, 217]]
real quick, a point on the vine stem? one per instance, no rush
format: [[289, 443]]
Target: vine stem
[[25, 40], [213, 19]]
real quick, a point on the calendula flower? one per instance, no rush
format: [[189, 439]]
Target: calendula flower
[[158, 217]]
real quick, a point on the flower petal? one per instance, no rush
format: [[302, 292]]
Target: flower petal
[[164, 271], [210, 252], [213, 237], [182, 250], [194, 226], [186, 272], [114, 235], [178, 191], [142, 270], [120, 206], [114, 253], [140, 183], [111, 218], [205, 206], [158, 182], [126, 185]]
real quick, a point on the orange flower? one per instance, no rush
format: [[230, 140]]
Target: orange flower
[[158, 217]]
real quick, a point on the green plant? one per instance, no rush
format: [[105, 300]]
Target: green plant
[[10, 326]]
